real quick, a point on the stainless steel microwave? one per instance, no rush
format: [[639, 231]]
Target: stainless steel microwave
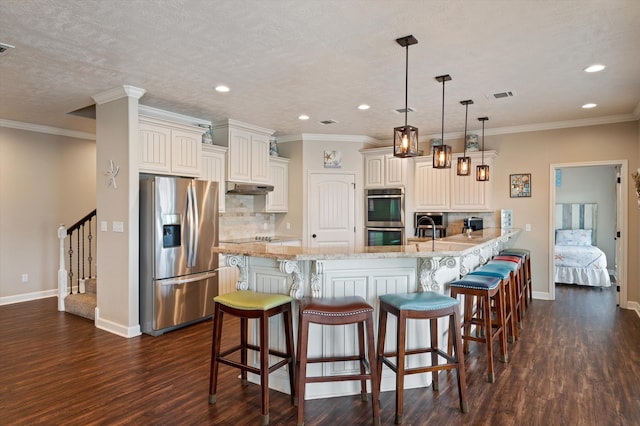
[[385, 208]]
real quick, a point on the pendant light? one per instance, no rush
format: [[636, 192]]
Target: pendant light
[[482, 172], [442, 152], [405, 138], [464, 162]]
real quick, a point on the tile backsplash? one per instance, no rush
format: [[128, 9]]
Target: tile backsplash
[[240, 221]]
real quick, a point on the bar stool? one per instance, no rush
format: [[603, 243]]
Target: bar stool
[[429, 306], [252, 305], [515, 263], [484, 289], [526, 256], [506, 274], [338, 311]]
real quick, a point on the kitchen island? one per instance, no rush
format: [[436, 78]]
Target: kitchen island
[[366, 271]]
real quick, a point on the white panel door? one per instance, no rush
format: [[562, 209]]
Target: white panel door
[[331, 210]]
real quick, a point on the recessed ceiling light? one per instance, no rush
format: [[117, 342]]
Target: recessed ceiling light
[[594, 68], [222, 88], [303, 117], [363, 107], [589, 105]]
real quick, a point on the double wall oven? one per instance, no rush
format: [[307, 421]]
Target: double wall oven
[[384, 219]]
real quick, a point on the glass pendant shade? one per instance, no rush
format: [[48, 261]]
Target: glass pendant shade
[[405, 138], [442, 157], [482, 171], [442, 153], [464, 166], [405, 142], [464, 162]]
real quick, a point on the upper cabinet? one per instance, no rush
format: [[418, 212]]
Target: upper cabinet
[[214, 167], [169, 148], [248, 150], [382, 169], [444, 190], [278, 199]]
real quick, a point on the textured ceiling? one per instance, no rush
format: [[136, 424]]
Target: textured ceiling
[[283, 58]]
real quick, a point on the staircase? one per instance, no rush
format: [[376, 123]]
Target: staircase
[[83, 303]]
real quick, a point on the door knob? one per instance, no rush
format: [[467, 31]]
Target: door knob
[[313, 236]]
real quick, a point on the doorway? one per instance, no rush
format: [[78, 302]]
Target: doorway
[[620, 217]]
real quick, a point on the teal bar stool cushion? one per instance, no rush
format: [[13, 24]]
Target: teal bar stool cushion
[[494, 270], [511, 265], [516, 252], [426, 301], [480, 282]]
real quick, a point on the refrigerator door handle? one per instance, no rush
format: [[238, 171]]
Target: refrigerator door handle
[[195, 224], [188, 279], [190, 231]]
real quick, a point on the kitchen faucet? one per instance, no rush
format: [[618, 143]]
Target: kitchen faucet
[[433, 230]]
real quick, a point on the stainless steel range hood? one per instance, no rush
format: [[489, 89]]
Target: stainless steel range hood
[[248, 188]]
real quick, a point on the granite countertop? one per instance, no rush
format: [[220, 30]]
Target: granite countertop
[[456, 245]]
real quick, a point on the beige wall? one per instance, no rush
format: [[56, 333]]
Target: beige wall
[[45, 180], [534, 152]]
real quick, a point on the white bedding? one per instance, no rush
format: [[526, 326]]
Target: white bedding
[[584, 265]]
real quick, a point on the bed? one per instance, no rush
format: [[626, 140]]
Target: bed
[[577, 259]]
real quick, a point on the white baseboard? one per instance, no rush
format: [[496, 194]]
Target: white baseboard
[[7, 300], [634, 306], [115, 328], [542, 295]]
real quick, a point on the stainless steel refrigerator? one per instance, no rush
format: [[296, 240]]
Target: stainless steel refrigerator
[[178, 228]]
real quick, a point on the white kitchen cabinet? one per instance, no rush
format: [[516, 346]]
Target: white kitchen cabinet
[[382, 169], [444, 190], [248, 150], [432, 186], [278, 199], [169, 148], [214, 168]]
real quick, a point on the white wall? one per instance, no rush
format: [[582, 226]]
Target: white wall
[[45, 180], [593, 184]]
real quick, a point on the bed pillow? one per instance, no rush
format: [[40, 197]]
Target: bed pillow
[[573, 237]]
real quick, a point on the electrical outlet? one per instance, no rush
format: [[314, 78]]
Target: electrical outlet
[[25, 278], [264, 226], [288, 226], [527, 227]]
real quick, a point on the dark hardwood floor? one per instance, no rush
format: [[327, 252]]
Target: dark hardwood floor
[[577, 363]]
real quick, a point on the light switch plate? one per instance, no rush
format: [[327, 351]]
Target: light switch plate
[[527, 227], [118, 226], [104, 226]]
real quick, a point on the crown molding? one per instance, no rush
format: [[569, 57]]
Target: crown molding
[[118, 93], [171, 116], [46, 129], [321, 137]]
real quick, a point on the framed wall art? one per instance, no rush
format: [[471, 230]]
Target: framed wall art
[[520, 185]]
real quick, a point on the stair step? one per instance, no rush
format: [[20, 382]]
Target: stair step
[[90, 285], [82, 304]]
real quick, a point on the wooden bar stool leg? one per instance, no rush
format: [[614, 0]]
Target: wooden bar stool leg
[[215, 353], [363, 359], [375, 385], [382, 332], [243, 349], [303, 341], [454, 333], [400, 361], [264, 366], [288, 330], [500, 315], [489, 338], [433, 331]]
